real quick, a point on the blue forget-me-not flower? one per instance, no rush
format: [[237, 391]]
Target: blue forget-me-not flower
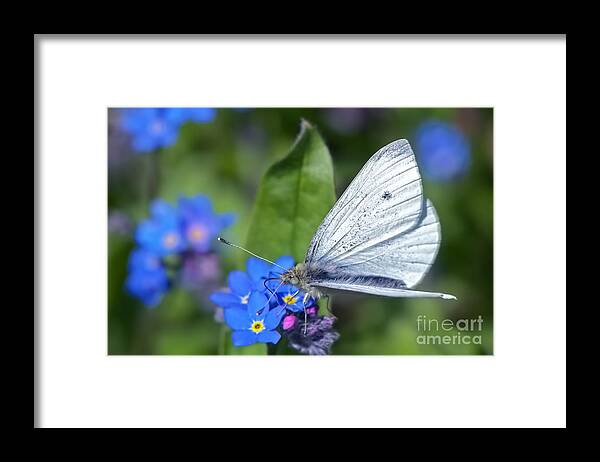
[[241, 284], [173, 245], [199, 224], [256, 323], [161, 233], [153, 128], [443, 151], [259, 309], [147, 278]]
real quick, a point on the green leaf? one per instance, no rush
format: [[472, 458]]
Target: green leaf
[[293, 197]]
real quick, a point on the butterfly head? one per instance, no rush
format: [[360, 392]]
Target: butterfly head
[[295, 276]]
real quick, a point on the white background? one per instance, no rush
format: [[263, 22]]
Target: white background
[[523, 384]]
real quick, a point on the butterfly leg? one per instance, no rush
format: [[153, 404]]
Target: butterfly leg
[[327, 306], [304, 300]]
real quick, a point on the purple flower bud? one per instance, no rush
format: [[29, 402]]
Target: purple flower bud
[[119, 223], [316, 338], [346, 120], [199, 273], [312, 311]]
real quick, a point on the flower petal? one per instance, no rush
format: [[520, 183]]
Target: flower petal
[[143, 259], [237, 319], [146, 233], [239, 306], [224, 299], [273, 284], [295, 307], [256, 302], [161, 209], [201, 114], [286, 262], [241, 338], [273, 317], [269, 336], [287, 289], [257, 269], [239, 282]]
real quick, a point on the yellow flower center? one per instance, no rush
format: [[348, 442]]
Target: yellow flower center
[[170, 240], [290, 299], [244, 299], [196, 233], [257, 326]]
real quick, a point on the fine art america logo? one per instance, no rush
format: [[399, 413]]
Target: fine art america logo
[[433, 331]]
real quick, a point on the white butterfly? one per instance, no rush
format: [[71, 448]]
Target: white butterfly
[[381, 236]]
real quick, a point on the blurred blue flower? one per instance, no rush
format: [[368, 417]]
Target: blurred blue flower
[[200, 114], [444, 152], [147, 278], [199, 272], [144, 260], [346, 120], [161, 233], [199, 224], [256, 323], [119, 223], [174, 247], [119, 141], [153, 128], [147, 285]]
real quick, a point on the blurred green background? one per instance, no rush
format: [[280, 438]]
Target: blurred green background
[[225, 157]]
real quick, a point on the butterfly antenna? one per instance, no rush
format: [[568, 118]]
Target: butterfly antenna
[[271, 296], [267, 280], [220, 239]]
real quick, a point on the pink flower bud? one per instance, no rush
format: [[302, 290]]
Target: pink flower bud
[[289, 321]]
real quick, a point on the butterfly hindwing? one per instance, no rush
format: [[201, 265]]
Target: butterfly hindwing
[[369, 288]]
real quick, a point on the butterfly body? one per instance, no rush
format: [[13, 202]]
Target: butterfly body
[[303, 277]]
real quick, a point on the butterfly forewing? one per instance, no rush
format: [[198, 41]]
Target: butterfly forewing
[[384, 200]]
